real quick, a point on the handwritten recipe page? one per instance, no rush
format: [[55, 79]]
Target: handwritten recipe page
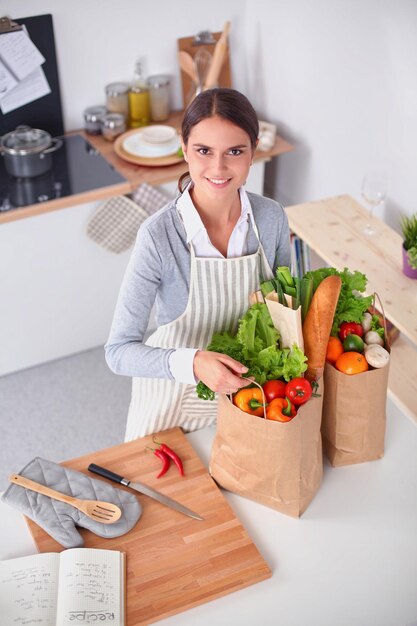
[[78, 586], [29, 590]]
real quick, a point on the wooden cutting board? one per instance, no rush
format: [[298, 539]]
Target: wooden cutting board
[[173, 561]]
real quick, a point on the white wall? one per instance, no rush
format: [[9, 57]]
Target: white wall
[[98, 41], [339, 79], [337, 76]]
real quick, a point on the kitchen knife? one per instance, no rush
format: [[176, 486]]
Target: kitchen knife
[[144, 489]]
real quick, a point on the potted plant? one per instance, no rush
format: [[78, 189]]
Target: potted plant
[[409, 230]]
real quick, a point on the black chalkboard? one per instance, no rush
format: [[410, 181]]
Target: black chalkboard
[[46, 112]]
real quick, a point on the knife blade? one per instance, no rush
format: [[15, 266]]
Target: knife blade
[[144, 489]]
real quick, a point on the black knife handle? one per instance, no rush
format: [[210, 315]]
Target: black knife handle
[[102, 471]]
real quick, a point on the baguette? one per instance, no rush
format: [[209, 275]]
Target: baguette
[[318, 324]]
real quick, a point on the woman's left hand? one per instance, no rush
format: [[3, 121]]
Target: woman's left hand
[[219, 372]]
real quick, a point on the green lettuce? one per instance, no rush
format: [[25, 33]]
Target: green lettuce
[[256, 345]]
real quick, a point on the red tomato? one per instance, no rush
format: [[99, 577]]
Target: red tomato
[[350, 328], [298, 390], [274, 389]]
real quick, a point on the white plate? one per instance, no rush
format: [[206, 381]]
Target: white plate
[[158, 134], [135, 144]]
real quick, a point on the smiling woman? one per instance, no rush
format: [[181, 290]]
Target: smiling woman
[[198, 259]]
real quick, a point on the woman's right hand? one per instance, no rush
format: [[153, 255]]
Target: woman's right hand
[[219, 372]]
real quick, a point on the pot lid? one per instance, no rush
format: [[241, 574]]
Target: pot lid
[[25, 140]]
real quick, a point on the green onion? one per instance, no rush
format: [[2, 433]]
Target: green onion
[[284, 276], [267, 286], [306, 292], [297, 300]]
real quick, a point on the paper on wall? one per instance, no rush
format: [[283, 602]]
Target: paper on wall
[[31, 88], [7, 80], [20, 54]]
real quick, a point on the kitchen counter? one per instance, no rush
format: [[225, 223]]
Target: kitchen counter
[[132, 175], [351, 560]]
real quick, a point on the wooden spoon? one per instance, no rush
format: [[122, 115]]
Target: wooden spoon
[[187, 64], [103, 512]]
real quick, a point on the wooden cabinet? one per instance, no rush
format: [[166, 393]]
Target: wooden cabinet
[[333, 228]]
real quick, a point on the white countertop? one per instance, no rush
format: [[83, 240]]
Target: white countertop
[[351, 560]]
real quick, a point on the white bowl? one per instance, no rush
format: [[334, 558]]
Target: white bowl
[[158, 134]]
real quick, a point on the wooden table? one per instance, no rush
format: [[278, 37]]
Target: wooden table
[[333, 227]]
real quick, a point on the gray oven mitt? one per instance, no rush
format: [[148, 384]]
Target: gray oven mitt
[[59, 519]]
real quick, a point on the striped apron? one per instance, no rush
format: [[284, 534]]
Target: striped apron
[[218, 297]]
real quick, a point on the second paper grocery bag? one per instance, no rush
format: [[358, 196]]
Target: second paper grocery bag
[[354, 418]]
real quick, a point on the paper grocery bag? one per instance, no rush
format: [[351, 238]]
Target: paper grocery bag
[[354, 419], [277, 464], [287, 321]]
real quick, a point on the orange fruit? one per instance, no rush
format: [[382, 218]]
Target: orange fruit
[[334, 349], [351, 363]]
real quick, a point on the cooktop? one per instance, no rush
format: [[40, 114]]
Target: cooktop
[[76, 167]]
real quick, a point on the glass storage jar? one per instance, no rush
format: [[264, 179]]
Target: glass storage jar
[[92, 119], [159, 97], [117, 98], [112, 125]]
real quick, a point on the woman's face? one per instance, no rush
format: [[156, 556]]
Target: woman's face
[[219, 155]]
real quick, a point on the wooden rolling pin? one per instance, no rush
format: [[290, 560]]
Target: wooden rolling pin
[[218, 59]]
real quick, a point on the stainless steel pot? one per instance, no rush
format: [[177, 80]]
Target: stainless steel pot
[[27, 151]]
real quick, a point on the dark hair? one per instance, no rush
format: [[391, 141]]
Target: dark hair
[[228, 104]]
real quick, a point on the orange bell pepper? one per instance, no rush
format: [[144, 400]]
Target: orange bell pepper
[[250, 401], [280, 410]]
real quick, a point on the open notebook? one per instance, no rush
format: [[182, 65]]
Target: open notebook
[[77, 586]]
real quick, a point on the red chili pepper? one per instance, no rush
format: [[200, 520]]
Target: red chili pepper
[[172, 455], [162, 456]]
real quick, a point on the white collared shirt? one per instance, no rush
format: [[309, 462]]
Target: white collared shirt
[[181, 360], [198, 235]]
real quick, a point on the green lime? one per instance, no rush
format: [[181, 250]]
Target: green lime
[[353, 343]]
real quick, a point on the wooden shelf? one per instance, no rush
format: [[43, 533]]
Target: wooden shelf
[[137, 174], [333, 228]]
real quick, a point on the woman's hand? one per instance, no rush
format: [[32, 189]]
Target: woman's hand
[[219, 372]]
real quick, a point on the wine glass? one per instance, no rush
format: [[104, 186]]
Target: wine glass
[[373, 192]]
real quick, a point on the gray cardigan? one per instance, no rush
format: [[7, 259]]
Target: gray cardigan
[[158, 274]]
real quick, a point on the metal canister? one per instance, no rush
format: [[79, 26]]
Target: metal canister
[[159, 97], [117, 98], [92, 119], [112, 125]]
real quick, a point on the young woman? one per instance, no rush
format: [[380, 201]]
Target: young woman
[[197, 260]]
